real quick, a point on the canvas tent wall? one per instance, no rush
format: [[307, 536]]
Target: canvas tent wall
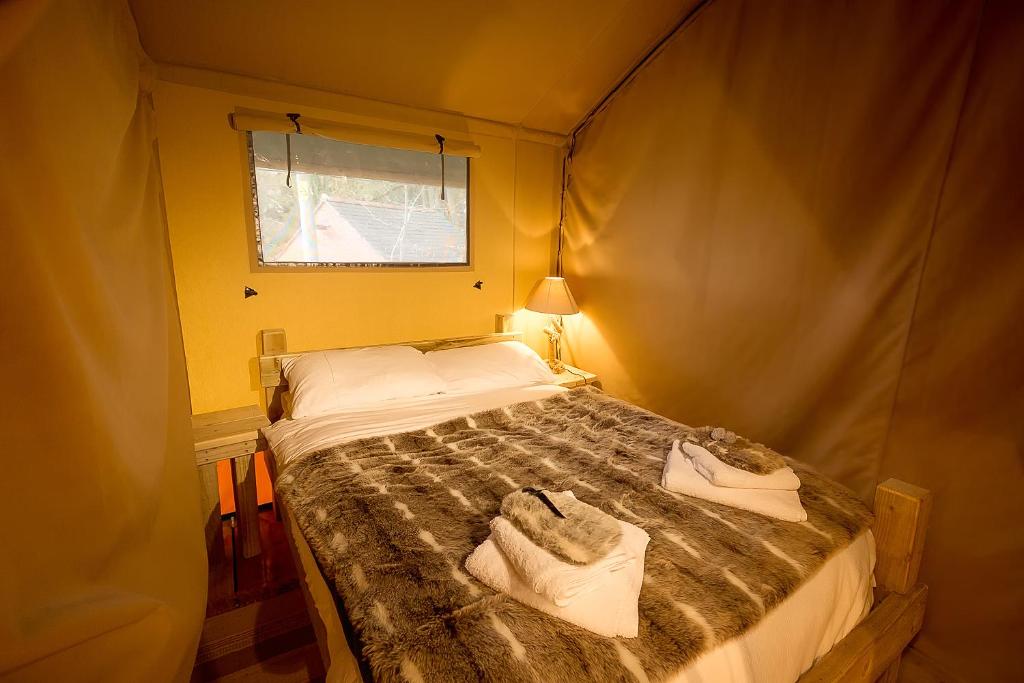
[[802, 220]]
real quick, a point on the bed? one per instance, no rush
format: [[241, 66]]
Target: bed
[[847, 616]]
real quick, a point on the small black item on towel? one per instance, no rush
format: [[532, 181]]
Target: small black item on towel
[[544, 499]]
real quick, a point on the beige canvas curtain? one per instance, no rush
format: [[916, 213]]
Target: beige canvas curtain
[[102, 570], [958, 421], [802, 221], [351, 132]]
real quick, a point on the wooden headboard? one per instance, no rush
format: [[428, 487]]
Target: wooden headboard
[[272, 349]]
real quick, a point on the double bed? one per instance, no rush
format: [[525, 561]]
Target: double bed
[[382, 502]]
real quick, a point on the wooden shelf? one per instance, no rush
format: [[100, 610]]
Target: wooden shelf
[[571, 377], [225, 427]]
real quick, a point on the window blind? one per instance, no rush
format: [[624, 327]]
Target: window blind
[[243, 120]]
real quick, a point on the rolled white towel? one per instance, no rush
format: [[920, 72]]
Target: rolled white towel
[[681, 477], [722, 474], [558, 581], [613, 611]]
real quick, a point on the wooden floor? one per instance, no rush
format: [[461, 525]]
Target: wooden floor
[[256, 625]]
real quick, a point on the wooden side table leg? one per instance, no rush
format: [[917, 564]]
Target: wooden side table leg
[[247, 506], [209, 498]]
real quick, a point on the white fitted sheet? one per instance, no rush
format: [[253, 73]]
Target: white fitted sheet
[[783, 645]]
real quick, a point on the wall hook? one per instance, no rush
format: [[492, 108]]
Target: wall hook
[[249, 291], [479, 284]]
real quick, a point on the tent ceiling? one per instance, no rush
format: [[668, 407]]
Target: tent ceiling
[[537, 63]]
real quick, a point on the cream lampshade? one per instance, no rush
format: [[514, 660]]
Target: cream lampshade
[[552, 296]]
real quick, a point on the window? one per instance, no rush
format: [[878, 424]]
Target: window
[[356, 205]]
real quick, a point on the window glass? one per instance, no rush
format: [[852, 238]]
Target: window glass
[[348, 204]]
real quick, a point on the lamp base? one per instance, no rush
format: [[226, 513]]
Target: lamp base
[[554, 332]]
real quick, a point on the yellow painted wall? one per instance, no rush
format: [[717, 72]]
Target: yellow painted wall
[[513, 210]]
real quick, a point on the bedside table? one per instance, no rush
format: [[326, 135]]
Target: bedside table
[[230, 434], [571, 377]]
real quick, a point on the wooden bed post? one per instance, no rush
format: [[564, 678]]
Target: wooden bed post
[[504, 322], [873, 650], [271, 342], [901, 521]]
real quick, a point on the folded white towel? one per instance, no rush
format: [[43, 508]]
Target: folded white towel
[[681, 477], [611, 609], [558, 581], [721, 474]]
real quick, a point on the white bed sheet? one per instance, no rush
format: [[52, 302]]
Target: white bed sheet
[[780, 647], [291, 438]]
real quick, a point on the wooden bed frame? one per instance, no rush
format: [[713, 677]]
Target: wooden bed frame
[[871, 651]]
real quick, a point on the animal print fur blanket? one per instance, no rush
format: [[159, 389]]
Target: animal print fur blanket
[[392, 519]]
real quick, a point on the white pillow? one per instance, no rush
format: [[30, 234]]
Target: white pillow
[[490, 366], [328, 381]]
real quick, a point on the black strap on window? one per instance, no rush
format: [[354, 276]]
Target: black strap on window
[[288, 147], [440, 144]]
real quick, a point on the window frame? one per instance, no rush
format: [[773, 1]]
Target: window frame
[[257, 265]]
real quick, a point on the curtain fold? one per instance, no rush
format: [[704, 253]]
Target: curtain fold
[[958, 423], [351, 132], [102, 576]]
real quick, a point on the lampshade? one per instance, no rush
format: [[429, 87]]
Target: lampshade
[[552, 295]]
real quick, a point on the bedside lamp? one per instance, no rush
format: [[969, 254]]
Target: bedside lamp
[[552, 296]]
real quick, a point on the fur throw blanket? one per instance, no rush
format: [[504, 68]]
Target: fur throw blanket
[[392, 519]]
